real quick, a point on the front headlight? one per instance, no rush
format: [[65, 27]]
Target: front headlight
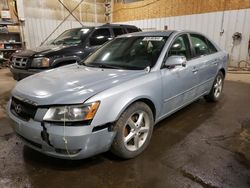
[[72, 113], [42, 62]]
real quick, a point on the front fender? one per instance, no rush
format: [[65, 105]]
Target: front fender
[[115, 100]]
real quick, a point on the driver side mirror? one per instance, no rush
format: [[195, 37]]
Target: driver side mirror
[[175, 60]]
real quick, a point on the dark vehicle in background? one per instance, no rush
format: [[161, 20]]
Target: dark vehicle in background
[[71, 46]]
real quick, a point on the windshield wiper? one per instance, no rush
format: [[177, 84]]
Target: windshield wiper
[[101, 65], [86, 64], [107, 66]]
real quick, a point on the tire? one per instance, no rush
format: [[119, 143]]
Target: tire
[[216, 91], [133, 131]]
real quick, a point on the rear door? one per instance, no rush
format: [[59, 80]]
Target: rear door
[[206, 60]]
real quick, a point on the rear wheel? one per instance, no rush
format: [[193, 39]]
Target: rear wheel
[[216, 90], [134, 129]]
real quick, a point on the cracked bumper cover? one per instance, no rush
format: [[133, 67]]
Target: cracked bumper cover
[[79, 138]]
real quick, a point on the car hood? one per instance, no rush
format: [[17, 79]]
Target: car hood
[[70, 84], [41, 51]]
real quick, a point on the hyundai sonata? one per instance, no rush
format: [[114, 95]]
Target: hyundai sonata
[[113, 99]]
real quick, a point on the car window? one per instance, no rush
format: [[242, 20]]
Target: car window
[[72, 36], [118, 31], [181, 47], [132, 30], [212, 48], [200, 45], [99, 37]]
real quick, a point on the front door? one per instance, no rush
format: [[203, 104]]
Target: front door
[[179, 83]]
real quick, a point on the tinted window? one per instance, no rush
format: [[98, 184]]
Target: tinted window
[[181, 47], [132, 30], [99, 37], [118, 31], [212, 48], [72, 36], [200, 45]]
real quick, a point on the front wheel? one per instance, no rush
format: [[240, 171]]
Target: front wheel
[[134, 129], [216, 90]]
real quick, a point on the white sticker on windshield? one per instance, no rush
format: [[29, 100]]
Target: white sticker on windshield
[[152, 38]]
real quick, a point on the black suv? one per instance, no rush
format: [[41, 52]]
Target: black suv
[[71, 46]]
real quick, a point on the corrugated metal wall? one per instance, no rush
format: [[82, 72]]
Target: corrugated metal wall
[[211, 24], [37, 29], [42, 17]]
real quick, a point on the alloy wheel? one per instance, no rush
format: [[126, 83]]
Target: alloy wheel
[[218, 86], [136, 130]]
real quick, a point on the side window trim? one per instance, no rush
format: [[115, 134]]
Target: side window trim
[[111, 33], [124, 30], [191, 47]]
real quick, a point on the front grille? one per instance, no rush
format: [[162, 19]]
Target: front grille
[[19, 62], [23, 110]]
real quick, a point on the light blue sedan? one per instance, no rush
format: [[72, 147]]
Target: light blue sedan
[[113, 99]]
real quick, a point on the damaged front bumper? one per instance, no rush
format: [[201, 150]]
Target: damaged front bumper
[[66, 142]]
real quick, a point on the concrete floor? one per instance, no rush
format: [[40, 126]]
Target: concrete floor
[[203, 145]]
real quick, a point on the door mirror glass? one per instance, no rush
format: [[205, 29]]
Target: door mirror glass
[[174, 61]]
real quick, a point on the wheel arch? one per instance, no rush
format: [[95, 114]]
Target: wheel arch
[[145, 100], [223, 72]]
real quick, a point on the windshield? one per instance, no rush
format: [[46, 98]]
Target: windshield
[[128, 53], [72, 36]]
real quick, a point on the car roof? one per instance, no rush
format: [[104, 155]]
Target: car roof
[[160, 33], [149, 33], [117, 25], [163, 33], [106, 26]]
